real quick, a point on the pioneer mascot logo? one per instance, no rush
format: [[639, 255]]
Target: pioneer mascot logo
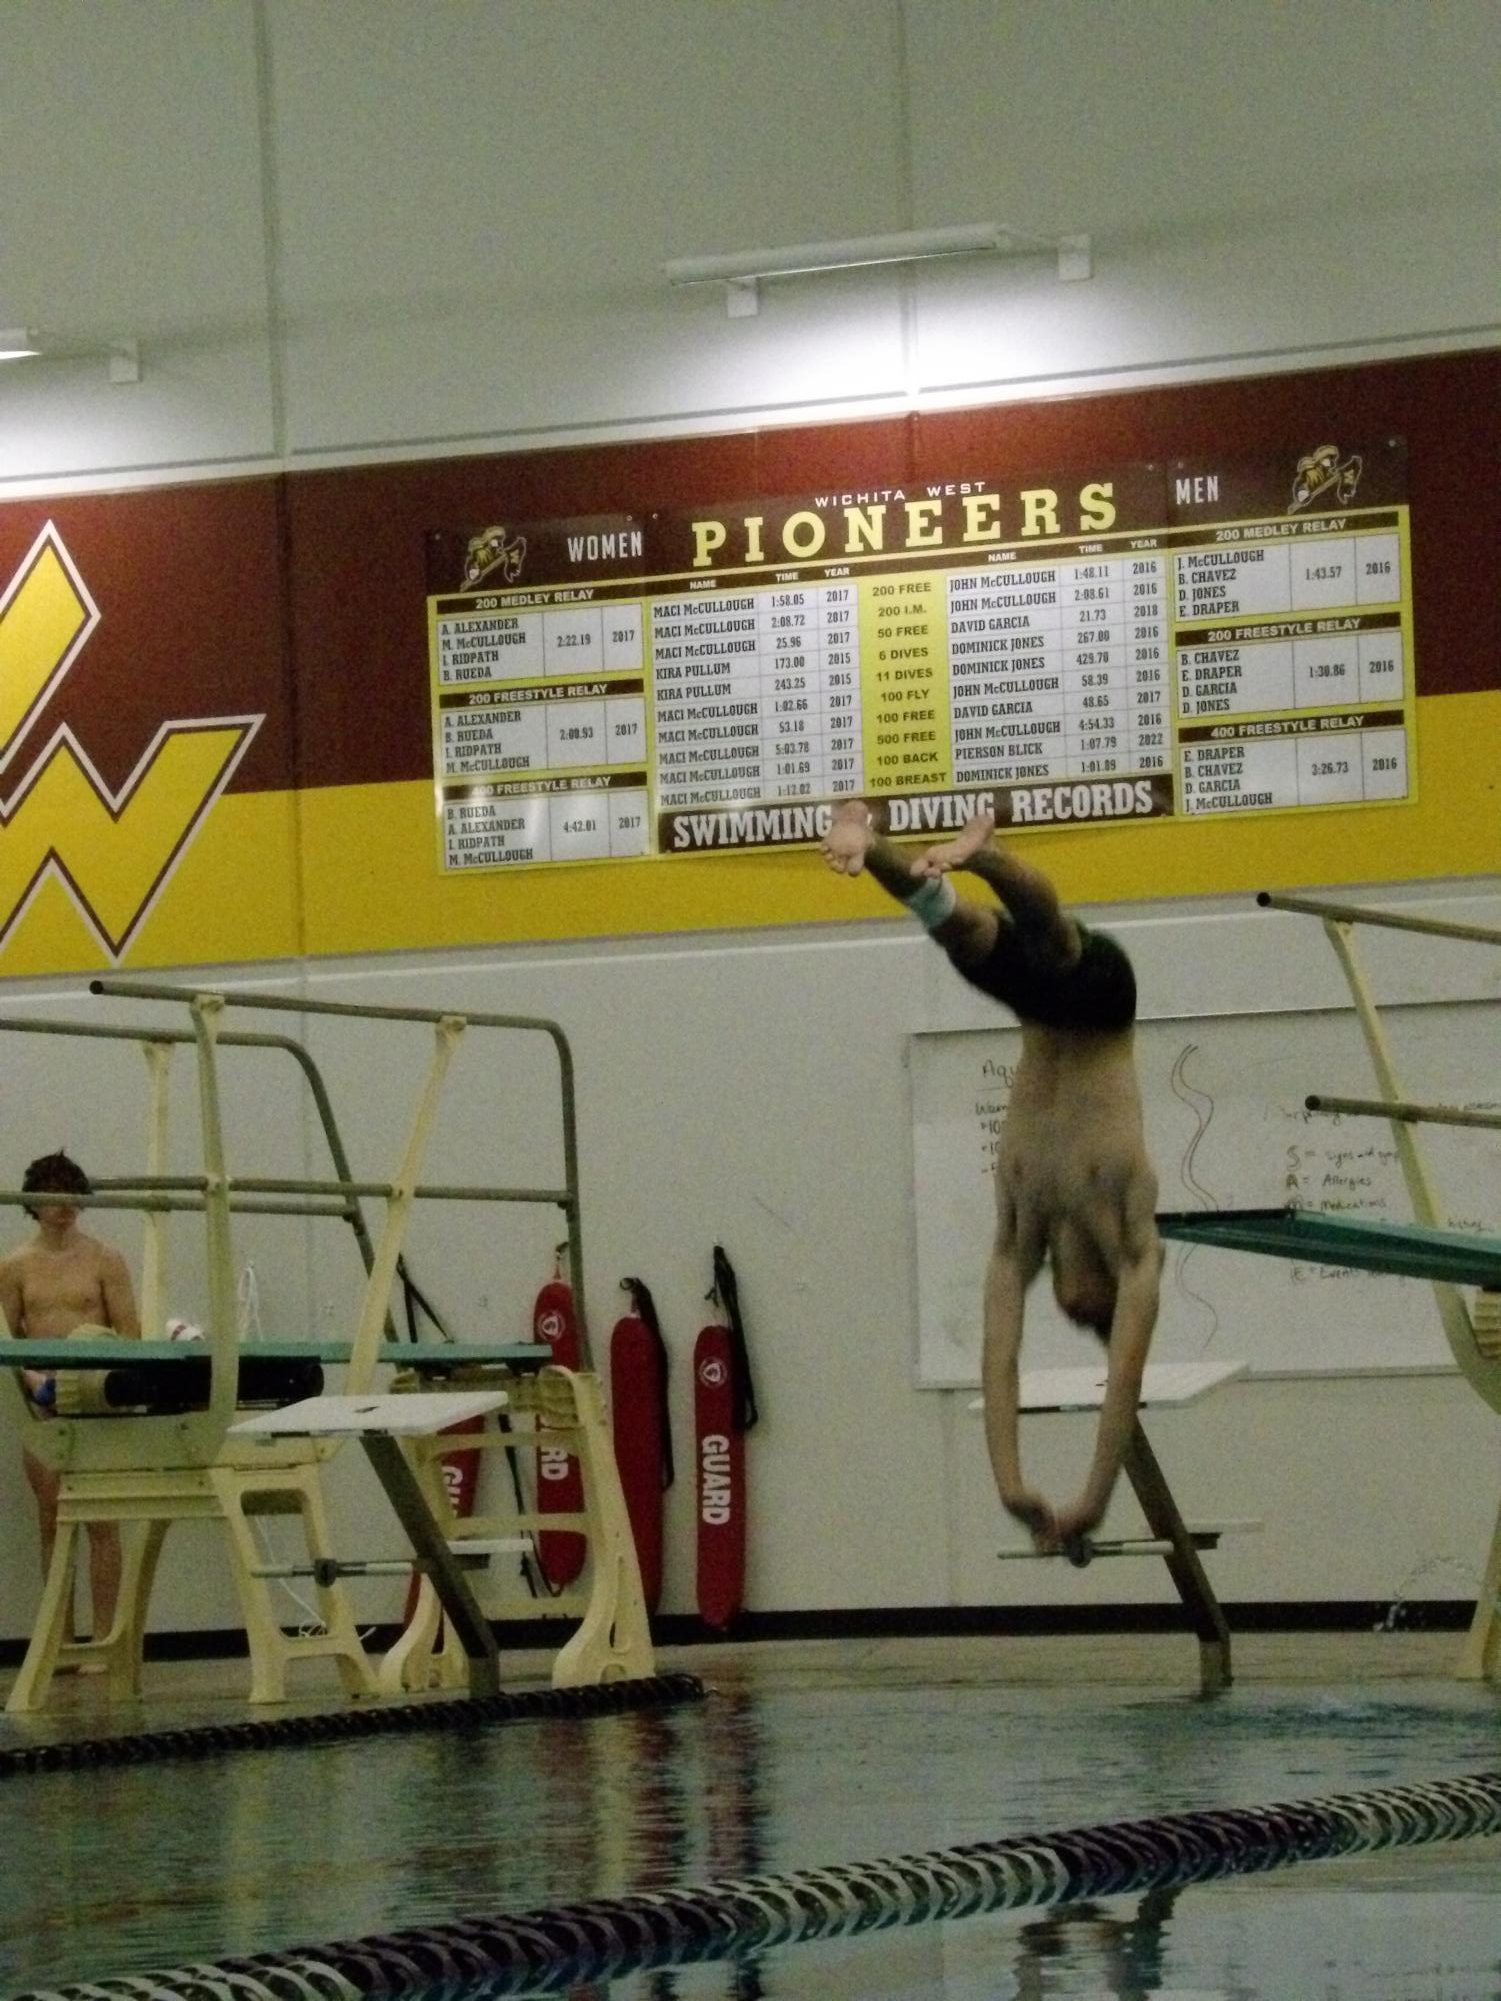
[[1323, 472], [492, 549], [112, 852]]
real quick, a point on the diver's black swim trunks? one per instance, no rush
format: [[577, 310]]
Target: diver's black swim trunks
[[1098, 991]]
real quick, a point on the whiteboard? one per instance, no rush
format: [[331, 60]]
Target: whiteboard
[[1227, 1129]]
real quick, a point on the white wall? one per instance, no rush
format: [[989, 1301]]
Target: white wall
[[1263, 182], [374, 230], [371, 228], [754, 1093], [133, 168]]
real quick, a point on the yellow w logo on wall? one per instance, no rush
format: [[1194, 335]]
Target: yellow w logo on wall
[[113, 852]]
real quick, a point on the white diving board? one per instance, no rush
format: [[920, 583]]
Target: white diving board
[[1162, 1383], [377, 1421], [411, 1415]]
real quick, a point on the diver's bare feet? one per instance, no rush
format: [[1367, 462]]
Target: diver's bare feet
[[972, 836], [848, 840]]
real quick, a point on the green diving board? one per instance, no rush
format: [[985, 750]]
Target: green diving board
[[85, 1354], [1403, 1250]]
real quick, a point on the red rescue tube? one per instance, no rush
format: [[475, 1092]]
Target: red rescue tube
[[720, 1473], [641, 1430], [560, 1485], [724, 1409]]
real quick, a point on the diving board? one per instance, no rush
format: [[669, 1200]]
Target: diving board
[[1162, 1383], [1366, 1243], [77, 1353], [110, 1377], [1448, 1259]]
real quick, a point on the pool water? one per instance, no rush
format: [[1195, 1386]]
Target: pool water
[[110, 1872]]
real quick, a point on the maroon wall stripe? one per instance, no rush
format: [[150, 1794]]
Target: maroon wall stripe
[[302, 598]]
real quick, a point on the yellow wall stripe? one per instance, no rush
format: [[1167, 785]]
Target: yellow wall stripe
[[372, 882]]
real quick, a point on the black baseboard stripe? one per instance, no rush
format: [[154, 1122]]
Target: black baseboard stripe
[[680, 1629]]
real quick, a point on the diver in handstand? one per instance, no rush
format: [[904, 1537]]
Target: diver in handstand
[[1074, 1185]]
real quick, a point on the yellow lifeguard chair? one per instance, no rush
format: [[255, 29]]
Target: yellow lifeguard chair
[[149, 1470], [213, 1462]]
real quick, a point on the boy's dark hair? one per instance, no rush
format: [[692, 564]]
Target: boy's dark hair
[[55, 1174]]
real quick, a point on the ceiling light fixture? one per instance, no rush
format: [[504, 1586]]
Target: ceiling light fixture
[[121, 357], [741, 271]]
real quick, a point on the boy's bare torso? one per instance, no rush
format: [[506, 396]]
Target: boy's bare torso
[[1072, 1173], [47, 1294]]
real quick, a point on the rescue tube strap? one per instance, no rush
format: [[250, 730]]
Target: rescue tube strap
[[727, 1293]]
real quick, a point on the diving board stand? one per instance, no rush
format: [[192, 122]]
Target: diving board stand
[[1448, 1259], [140, 1431], [1470, 1329], [377, 1422], [1164, 1384]]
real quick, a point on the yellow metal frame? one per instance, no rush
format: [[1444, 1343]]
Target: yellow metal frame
[[153, 1470], [561, 1409], [1473, 1350]]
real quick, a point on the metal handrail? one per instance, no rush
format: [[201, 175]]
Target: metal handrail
[[1400, 1108], [1390, 920], [296, 1004], [566, 1198], [242, 1039], [270, 1184], [163, 1201]]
